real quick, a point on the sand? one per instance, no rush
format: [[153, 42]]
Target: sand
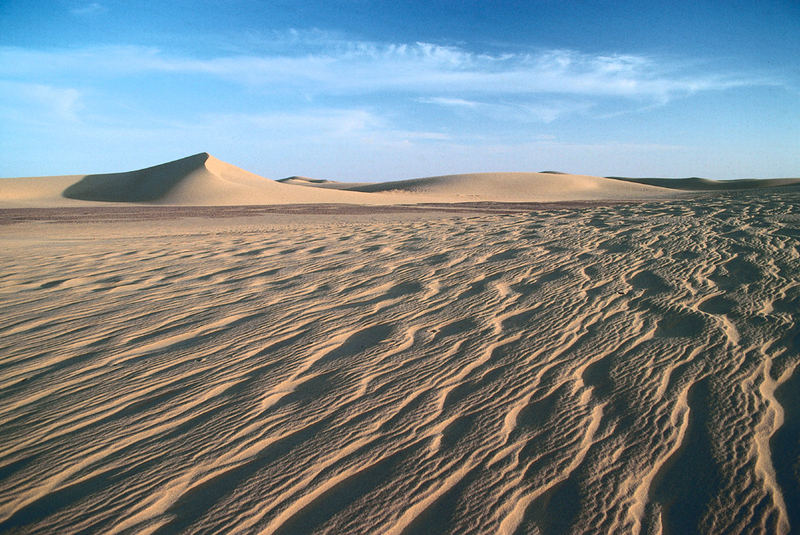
[[614, 367], [203, 180]]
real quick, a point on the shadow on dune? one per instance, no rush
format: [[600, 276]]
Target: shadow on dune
[[148, 184], [704, 184]]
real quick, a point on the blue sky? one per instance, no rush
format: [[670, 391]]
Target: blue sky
[[386, 90]]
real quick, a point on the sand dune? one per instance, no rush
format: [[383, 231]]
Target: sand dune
[[202, 180], [614, 369], [705, 184], [198, 180], [510, 187], [321, 183]]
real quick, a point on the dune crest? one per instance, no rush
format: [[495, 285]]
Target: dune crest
[[194, 179], [197, 180]]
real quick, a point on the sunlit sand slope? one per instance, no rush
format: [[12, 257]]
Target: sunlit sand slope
[[622, 369], [509, 187]]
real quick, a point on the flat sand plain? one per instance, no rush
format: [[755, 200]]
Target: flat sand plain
[[576, 368]]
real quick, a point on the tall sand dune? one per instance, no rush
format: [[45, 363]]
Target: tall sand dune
[[198, 180]]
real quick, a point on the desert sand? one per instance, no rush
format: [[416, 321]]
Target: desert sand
[[444, 357], [203, 180]]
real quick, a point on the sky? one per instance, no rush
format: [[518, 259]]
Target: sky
[[383, 90]]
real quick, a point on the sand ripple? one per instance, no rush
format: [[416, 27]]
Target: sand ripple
[[603, 369]]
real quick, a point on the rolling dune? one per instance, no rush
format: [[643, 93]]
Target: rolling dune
[[617, 369], [510, 187], [202, 180], [705, 184]]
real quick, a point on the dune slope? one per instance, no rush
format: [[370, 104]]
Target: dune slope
[[321, 183], [510, 187], [705, 184], [202, 180], [196, 180]]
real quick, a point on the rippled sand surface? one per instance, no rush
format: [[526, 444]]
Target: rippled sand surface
[[605, 369]]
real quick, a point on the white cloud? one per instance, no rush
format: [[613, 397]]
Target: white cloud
[[41, 100], [447, 101], [541, 110], [340, 106], [88, 9], [353, 67]]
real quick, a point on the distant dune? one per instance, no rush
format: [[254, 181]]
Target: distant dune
[[321, 183], [510, 187], [704, 184], [202, 180]]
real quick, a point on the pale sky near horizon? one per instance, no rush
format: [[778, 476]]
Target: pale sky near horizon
[[378, 90]]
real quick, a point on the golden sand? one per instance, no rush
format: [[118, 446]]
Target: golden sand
[[627, 368]]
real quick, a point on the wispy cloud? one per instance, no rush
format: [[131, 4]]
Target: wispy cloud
[[340, 103], [42, 101], [353, 67], [87, 9], [449, 101], [542, 110]]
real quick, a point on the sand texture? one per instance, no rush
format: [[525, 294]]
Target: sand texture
[[623, 368]]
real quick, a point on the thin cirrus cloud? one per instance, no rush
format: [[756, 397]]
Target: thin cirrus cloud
[[63, 103], [352, 68], [543, 110], [282, 98], [91, 8]]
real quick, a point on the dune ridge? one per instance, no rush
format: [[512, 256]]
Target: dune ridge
[[203, 180], [199, 180]]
